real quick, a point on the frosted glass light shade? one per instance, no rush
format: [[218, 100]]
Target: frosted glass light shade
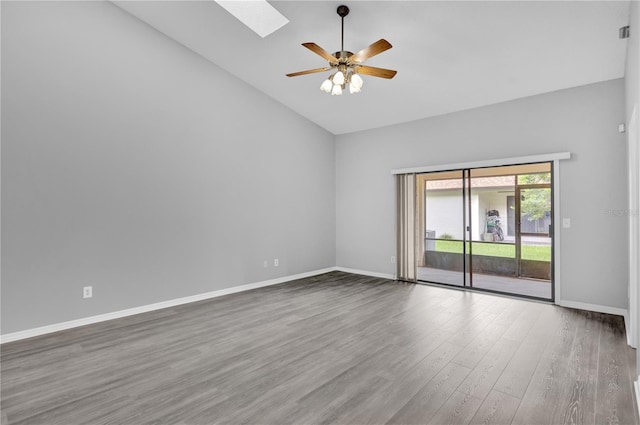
[[353, 88], [337, 90], [338, 78], [356, 81], [326, 86]]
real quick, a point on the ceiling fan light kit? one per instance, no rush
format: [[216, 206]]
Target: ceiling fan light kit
[[347, 64]]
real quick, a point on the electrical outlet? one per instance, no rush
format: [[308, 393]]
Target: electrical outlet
[[266, 264], [393, 259], [276, 263], [87, 292]]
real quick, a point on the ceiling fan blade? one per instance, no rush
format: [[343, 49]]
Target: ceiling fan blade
[[376, 72], [309, 71], [321, 52], [368, 52]]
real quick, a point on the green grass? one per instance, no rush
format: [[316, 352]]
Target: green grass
[[529, 252]]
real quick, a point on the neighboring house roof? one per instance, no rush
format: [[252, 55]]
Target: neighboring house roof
[[476, 183]]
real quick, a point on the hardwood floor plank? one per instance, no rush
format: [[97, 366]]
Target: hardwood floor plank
[[278, 404], [482, 378], [633, 373], [524, 322], [497, 409], [614, 394], [427, 401], [547, 387], [402, 387], [479, 346], [469, 330], [578, 404], [515, 378], [460, 408], [517, 375]]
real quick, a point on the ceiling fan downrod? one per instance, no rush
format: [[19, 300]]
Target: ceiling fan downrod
[[342, 12]]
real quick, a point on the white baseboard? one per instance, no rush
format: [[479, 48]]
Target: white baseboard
[[29, 333], [627, 330], [595, 307], [602, 309], [636, 385], [365, 273]]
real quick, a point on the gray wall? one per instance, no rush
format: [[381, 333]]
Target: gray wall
[[582, 120], [132, 164]]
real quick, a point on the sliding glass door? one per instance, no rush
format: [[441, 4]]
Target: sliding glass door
[[442, 235], [487, 228]]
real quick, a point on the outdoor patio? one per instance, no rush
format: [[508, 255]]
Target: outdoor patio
[[512, 285]]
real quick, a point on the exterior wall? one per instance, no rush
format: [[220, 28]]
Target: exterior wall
[[444, 213], [490, 200]]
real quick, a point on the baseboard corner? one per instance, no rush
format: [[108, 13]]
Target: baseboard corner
[[627, 330], [365, 272], [595, 307]]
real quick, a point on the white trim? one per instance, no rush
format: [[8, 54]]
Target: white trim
[[557, 231], [633, 171], [594, 307], [15, 336], [603, 309], [636, 386], [486, 163], [366, 273], [627, 329]]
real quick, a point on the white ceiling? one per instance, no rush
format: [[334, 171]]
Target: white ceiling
[[450, 55]]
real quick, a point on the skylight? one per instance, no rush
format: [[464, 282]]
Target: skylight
[[258, 15]]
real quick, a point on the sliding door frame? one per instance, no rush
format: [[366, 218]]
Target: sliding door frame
[[518, 224], [468, 228], [554, 159]]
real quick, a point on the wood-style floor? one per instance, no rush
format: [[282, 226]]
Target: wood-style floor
[[336, 348]]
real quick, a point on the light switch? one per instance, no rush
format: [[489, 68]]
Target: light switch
[[566, 223]]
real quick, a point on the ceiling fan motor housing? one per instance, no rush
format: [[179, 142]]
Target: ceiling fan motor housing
[[342, 56]]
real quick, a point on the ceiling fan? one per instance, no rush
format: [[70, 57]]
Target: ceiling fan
[[347, 64]]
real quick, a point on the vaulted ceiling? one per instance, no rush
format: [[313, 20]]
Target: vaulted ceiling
[[450, 55]]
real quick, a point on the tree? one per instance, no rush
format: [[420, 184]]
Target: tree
[[535, 203]]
